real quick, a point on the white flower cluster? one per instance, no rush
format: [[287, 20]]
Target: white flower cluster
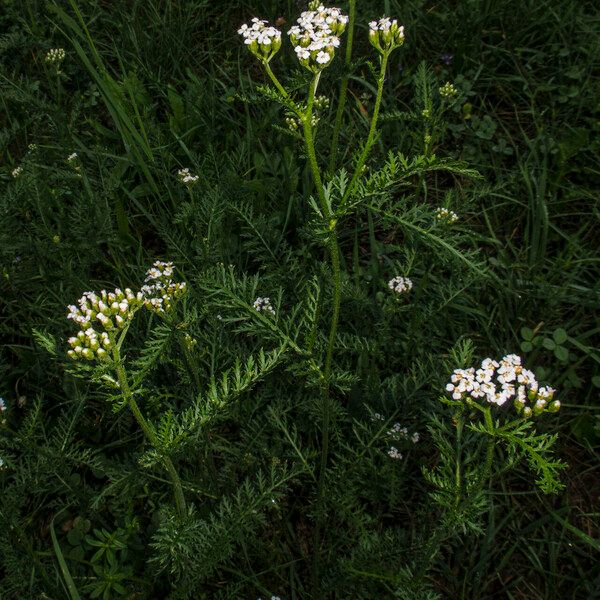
[[55, 56], [262, 39], [448, 90], [443, 215], [399, 432], [394, 453], [99, 315], [386, 35], [160, 290], [16, 172], [263, 305], [317, 35], [400, 285], [72, 157], [186, 177], [499, 382], [107, 310], [2, 410]]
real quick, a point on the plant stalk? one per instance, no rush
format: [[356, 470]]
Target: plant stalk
[[372, 129], [149, 432]]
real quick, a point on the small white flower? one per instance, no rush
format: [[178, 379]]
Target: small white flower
[[394, 453], [386, 35], [72, 157], [501, 381], [263, 305], [323, 58], [55, 56], [186, 177], [443, 215], [16, 172], [400, 285]]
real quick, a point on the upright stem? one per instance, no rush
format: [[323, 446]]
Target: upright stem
[[372, 130], [489, 456], [343, 89], [336, 272], [149, 432], [280, 87]]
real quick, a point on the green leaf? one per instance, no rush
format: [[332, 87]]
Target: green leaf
[[526, 346], [63, 565], [560, 335], [549, 344], [526, 333], [561, 353], [596, 381]]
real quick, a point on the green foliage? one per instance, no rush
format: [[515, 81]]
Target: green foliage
[[283, 454]]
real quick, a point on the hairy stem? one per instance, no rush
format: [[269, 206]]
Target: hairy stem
[[149, 432], [372, 129], [343, 89]]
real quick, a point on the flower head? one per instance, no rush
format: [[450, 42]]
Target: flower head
[[101, 315], [394, 453], [400, 285], [317, 35], [445, 216], [98, 316], [386, 35], [499, 382], [159, 290], [448, 90], [263, 40], [184, 176], [263, 305], [55, 56], [16, 172]]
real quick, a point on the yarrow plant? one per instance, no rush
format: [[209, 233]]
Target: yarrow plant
[[104, 319], [16, 172]]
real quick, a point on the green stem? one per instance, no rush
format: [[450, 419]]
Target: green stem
[[148, 431], [281, 89], [371, 137], [489, 456], [343, 89], [336, 271]]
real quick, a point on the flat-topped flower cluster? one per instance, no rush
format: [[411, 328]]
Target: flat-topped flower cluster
[[101, 315], [444, 215], [159, 289], [317, 35], [262, 39], [55, 55], [498, 382], [184, 176], [263, 305], [386, 34], [106, 310], [400, 285]]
